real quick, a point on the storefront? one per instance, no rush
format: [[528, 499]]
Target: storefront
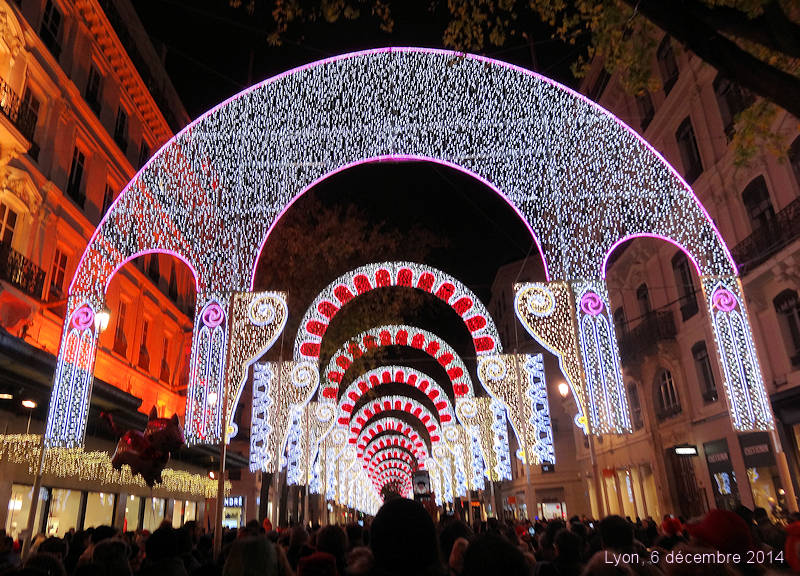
[[233, 512], [762, 471], [63, 509], [723, 478]]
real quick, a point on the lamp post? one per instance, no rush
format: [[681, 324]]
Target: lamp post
[[30, 405]]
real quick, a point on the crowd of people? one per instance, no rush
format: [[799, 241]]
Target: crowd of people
[[403, 539]]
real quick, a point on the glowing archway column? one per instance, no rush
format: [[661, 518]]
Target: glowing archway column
[[72, 385], [219, 362], [608, 400], [744, 385], [572, 320], [517, 381], [281, 393]]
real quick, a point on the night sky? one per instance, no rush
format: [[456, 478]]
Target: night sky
[[214, 51]]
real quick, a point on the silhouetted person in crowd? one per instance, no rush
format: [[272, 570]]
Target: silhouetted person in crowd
[[452, 532], [491, 554], [252, 556], [161, 554], [672, 534], [333, 540], [403, 540], [112, 555], [616, 536], [298, 546], [568, 556], [44, 564]]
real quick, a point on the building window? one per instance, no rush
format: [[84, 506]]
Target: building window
[[76, 177], [646, 111], [121, 129], [758, 205], [57, 275], [787, 307], [51, 28], [27, 120], [690, 155], [732, 100], [702, 365], [636, 406], [144, 354], [108, 198], [144, 154], [643, 298], [687, 293], [152, 268], [164, 373], [599, 86], [794, 158], [172, 290], [666, 401], [619, 320], [667, 65], [94, 90], [8, 221], [120, 341]]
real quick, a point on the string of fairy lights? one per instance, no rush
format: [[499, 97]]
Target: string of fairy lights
[[212, 194], [95, 467]]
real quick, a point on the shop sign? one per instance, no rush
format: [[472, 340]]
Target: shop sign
[[234, 501], [547, 468], [756, 450]]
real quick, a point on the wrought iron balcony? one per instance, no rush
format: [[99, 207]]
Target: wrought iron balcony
[[643, 340], [21, 272], [11, 107], [768, 240]]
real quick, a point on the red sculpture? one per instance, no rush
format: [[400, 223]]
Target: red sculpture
[[148, 452]]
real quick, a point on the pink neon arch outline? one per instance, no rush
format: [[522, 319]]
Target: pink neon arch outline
[[177, 255], [649, 235], [408, 50]]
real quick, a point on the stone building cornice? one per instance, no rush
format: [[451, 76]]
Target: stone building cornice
[[133, 85]]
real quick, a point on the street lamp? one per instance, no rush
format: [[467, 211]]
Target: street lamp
[[563, 389], [30, 405], [101, 319], [6, 396]]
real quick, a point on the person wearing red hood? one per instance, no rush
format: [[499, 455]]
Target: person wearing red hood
[[792, 546], [727, 532]]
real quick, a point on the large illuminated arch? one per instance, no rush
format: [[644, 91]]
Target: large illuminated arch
[[387, 427], [389, 440], [393, 453], [392, 403], [341, 291], [396, 335], [395, 374], [577, 176]]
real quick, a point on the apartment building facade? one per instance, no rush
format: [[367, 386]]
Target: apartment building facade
[[84, 102]]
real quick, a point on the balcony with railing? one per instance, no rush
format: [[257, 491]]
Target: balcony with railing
[[769, 239], [643, 339], [12, 108], [20, 272]]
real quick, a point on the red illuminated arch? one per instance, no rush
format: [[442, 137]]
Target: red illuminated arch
[[388, 404], [402, 375], [403, 274], [396, 335]]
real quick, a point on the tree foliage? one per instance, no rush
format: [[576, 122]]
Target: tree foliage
[[316, 242], [755, 43]]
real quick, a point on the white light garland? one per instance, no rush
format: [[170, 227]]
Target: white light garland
[[579, 178]]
